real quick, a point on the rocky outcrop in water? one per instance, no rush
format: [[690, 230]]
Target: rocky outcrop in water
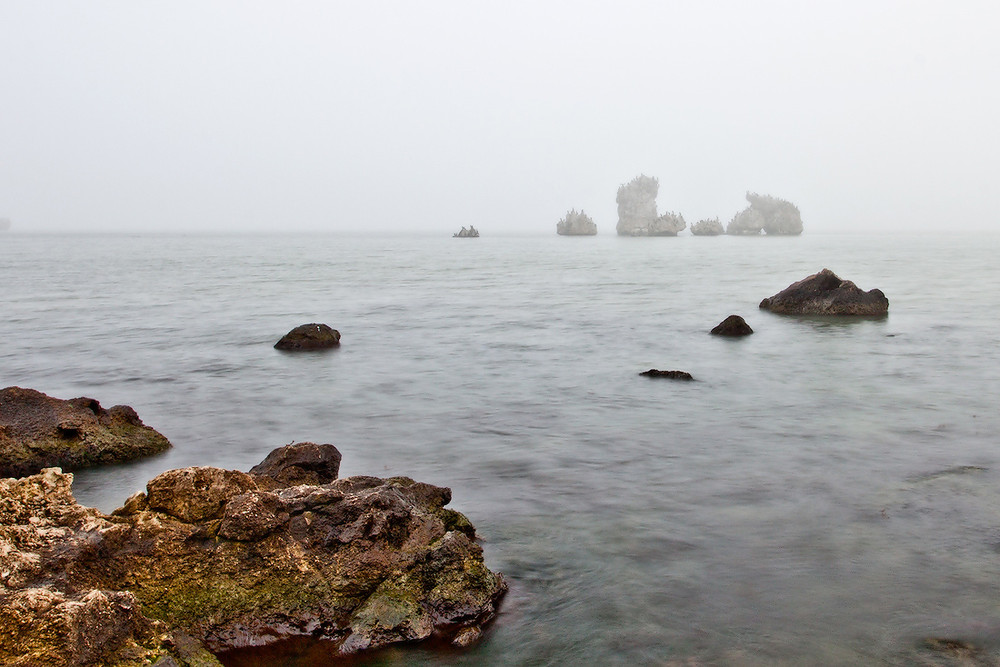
[[637, 210], [771, 215], [576, 224], [38, 431], [470, 233], [824, 293], [733, 326], [711, 227], [311, 336], [217, 559], [669, 375]]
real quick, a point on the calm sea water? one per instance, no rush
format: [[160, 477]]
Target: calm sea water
[[825, 492]]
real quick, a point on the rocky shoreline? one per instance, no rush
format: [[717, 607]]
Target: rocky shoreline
[[208, 559]]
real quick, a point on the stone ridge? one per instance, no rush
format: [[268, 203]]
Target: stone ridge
[[824, 293]]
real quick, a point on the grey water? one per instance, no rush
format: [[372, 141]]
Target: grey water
[[825, 492]]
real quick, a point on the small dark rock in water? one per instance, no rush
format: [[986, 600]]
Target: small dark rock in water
[[38, 431], [309, 337], [734, 325], [670, 375], [958, 648], [824, 293]]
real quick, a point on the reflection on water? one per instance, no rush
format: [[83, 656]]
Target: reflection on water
[[824, 493]]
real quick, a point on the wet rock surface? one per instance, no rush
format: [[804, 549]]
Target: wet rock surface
[[38, 431], [312, 336], [218, 559], [733, 326], [669, 375], [824, 293]]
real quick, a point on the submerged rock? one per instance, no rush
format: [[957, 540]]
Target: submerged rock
[[769, 214], [311, 336], [734, 326], [220, 559], [710, 227], [637, 210], [576, 224], [670, 375], [824, 293], [38, 431]]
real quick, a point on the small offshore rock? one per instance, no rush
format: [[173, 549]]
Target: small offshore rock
[[711, 227], [576, 224], [824, 293], [38, 431], [670, 375], [733, 326], [311, 336]]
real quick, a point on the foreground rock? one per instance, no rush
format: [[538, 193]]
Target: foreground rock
[[733, 326], [773, 216], [669, 375], [710, 227], [576, 224], [219, 559], [637, 210], [38, 431], [311, 336], [824, 293]]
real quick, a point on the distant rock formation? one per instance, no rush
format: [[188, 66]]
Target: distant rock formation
[[824, 293], [576, 224], [217, 559], [773, 216], [637, 210], [710, 227], [669, 375], [38, 431], [733, 326], [311, 336], [470, 233]]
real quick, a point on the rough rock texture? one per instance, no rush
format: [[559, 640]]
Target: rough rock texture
[[734, 325], [710, 227], [217, 559], [824, 293], [470, 233], [576, 224], [670, 375], [637, 210], [311, 336], [772, 215], [38, 431]]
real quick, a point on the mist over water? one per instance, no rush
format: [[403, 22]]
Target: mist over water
[[824, 492]]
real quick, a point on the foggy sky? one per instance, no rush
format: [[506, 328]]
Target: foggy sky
[[270, 116]]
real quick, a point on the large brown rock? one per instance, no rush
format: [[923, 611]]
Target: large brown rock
[[219, 559], [310, 336], [824, 293], [38, 431]]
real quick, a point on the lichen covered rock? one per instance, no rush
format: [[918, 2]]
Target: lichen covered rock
[[576, 224], [231, 559], [38, 431], [824, 293]]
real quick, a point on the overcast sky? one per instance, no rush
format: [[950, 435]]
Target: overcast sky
[[427, 116]]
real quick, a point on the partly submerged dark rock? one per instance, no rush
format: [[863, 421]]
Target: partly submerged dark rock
[[824, 293], [670, 375], [301, 463], [232, 559], [311, 336], [734, 325], [38, 431]]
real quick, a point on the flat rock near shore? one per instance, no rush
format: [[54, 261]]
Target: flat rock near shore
[[38, 431], [209, 559]]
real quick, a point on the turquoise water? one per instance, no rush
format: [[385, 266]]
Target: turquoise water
[[824, 492]]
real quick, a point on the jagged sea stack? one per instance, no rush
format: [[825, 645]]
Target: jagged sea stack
[[710, 227], [637, 210], [773, 216], [824, 293], [576, 224]]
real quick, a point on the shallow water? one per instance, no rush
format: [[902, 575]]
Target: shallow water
[[824, 492]]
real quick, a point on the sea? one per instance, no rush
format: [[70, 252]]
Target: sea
[[825, 491]]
